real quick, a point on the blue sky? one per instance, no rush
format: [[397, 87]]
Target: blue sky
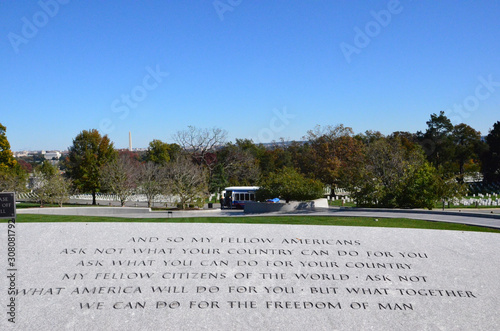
[[258, 69]]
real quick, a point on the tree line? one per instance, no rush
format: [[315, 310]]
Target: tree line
[[403, 169]]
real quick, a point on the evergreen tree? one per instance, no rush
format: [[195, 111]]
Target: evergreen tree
[[491, 158]]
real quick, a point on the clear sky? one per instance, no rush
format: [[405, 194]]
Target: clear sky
[[258, 69]]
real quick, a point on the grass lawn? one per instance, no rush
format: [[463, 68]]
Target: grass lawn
[[23, 205], [437, 206], [338, 203], [304, 220]]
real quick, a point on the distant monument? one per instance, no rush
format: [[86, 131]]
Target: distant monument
[[130, 141]]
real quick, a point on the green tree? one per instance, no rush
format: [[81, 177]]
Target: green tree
[[89, 152], [47, 169], [491, 157], [289, 184], [158, 152], [247, 145], [369, 136], [468, 148], [273, 159], [219, 179], [13, 179], [419, 188], [437, 142], [395, 174]]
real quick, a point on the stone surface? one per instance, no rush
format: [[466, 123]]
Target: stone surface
[[131, 276]]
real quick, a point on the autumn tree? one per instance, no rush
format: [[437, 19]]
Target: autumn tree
[[6, 157], [12, 176], [26, 166], [331, 149], [408, 140], [89, 152]]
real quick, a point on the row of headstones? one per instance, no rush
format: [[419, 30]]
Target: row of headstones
[[99, 196], [30, 196], [478, 202], [335, 198], [27, 196], [114, 197], [480, 195], [136, 197]]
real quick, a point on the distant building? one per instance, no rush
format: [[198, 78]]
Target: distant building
[[52, 155], [21, 154]]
